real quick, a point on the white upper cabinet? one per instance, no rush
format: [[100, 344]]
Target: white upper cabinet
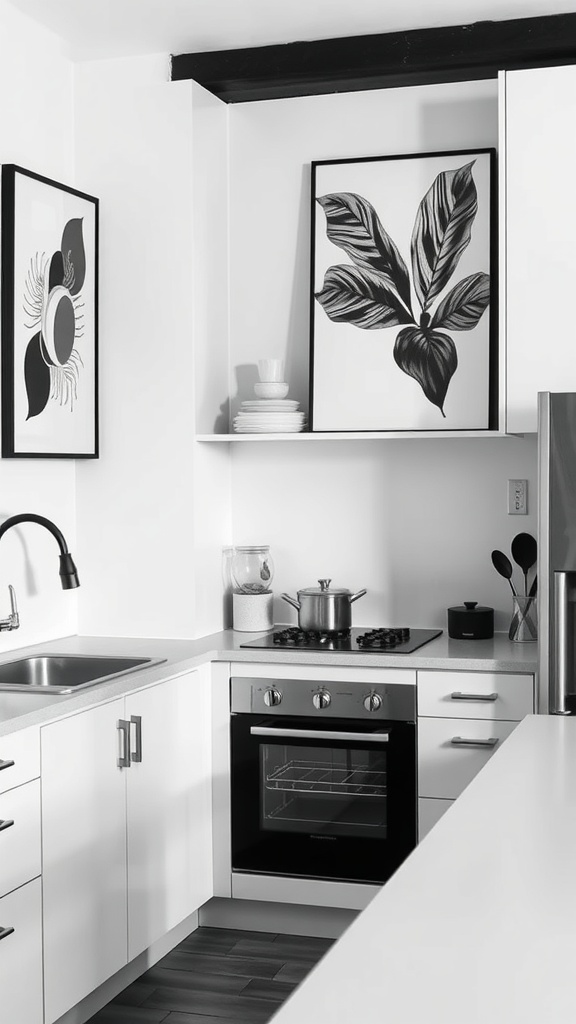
[[539, 220]]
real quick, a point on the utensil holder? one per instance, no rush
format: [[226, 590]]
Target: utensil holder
[[523, 627]]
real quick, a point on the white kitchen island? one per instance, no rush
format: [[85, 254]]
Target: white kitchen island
[[479, 924]]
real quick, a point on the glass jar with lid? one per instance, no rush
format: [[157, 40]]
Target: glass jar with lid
[[252, 570]]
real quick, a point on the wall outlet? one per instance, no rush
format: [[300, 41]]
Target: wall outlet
[[517, 497]]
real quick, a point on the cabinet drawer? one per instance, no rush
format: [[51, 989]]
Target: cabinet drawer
[[21, 956], [445, 764], [20, 842], [23, 749], [490, 695], [429, 812]]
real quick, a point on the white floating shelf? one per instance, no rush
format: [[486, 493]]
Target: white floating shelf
[[372, 435]]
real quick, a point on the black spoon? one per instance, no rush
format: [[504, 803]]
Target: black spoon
[[503, 565], [524, 552]]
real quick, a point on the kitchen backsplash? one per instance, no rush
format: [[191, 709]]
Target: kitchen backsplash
[[413, 521]]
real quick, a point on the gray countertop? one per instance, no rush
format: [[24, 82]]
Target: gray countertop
[[20, 710]]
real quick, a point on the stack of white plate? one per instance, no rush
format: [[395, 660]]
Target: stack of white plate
[[269, 416]]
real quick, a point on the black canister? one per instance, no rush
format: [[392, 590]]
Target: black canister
[[470, 621]]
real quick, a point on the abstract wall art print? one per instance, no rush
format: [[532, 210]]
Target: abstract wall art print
[[49, 318], [402, 310]]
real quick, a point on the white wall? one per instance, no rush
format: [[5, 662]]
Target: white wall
[[412, 521], [36, 132], [272, 144], [152, 513]]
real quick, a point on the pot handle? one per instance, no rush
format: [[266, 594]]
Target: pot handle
[[354, 597], [291, 600]]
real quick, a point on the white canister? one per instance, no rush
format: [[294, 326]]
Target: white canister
[[252, 613], [271, 370]]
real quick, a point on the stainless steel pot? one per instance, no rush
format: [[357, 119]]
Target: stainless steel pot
[[322, 609]]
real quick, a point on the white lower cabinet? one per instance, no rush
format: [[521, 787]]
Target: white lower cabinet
[[463, 718], [84, 855], [21, 955], [19, 836], [19, 758], [126, 849], [451, 752], [430, 811], [169, 808]]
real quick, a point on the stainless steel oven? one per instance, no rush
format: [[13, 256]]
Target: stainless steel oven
[[323, 778]]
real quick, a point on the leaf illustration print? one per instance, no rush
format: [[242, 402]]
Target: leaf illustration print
[[53, 302], [374, 291]]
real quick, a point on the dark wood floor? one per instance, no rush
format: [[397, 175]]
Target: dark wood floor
[[216, 976]]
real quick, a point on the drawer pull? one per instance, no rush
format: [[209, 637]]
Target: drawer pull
[[136, 754], [5, 824], [6, 764], [123, 727], [5, 932], [473, 696], [461, 741]]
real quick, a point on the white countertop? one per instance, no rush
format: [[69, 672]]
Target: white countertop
[[478, 926], [496, 655], [20, 710]]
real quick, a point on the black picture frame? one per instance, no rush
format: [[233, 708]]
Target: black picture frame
[[49, 315], [376, 223]]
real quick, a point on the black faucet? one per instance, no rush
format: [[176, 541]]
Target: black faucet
[[68, 571]]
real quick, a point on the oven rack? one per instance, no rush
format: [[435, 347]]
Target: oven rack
[[322, 778]]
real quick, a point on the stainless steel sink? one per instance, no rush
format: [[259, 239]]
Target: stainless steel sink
[[64, 673]]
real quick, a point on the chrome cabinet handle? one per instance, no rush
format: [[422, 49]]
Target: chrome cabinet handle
[[136, 754], [457, 695], [6, 764], [461, 741], [5, 824], [562, 654], [5, 932], [319, 734], [124, 743]]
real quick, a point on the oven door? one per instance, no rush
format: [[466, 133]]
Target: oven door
[[332, 801]]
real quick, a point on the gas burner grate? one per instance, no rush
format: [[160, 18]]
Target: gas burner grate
[[295, 637], [383, 639]]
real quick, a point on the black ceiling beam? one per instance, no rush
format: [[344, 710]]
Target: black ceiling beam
[[418, 57]]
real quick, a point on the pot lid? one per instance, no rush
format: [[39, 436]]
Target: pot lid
[[325, 589], [471, 606]]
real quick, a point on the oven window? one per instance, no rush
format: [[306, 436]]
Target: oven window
[[329, 791]]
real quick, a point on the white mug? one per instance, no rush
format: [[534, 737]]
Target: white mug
[[270, 370]]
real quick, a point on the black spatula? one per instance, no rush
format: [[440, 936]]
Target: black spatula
[[503, 565], [524, 552]]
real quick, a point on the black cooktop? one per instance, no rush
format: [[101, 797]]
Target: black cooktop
[[357, 641]]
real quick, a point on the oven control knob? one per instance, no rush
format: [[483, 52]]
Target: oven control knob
[[272, 698], [373, 702], [321, 699]]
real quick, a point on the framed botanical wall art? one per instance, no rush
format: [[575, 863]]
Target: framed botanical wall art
[[49, 318], [403, 273]]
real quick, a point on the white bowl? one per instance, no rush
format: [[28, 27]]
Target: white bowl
[[271, 389]]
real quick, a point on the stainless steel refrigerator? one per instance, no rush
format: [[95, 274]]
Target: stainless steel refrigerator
[[557, 553]]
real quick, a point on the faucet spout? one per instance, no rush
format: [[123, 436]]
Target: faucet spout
[[13, 620], [68, 571]]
